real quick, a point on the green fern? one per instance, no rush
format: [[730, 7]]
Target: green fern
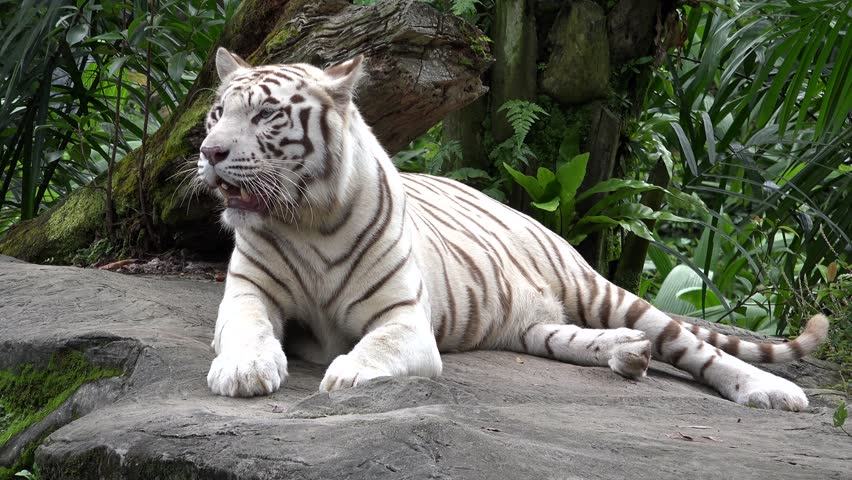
[[521, 115], [445, 152], [464, 8]]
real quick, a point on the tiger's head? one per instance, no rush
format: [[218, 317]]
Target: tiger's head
[[275, 138]]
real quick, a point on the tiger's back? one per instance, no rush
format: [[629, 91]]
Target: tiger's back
[[490, 270]]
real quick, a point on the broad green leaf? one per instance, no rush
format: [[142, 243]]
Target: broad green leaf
[[76, 33], [570, 146], [107, 37], [530, 184], [686, 149], [467, 173], [661, 261], [613, 198], [116, 64], [597, 219], [680, 278], [613, 184], [571, 175], [693, 296], [549, 206], [638, 228], [545, 176]]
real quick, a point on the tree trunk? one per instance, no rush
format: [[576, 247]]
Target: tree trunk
[[420, 67], [635, 248], [465, 126], [604, 134], [514, 74]]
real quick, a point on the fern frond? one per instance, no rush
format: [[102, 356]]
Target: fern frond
[[464, 8], [521, 115]]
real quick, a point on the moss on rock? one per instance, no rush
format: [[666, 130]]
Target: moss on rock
[[56, 236], [578, 69], [29, 393]]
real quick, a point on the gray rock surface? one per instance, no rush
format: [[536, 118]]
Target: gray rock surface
[[578, 69], [491, 415]]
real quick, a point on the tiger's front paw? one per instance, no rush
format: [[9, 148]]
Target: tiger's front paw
[[769, 391], [345, 372], [249, 372]]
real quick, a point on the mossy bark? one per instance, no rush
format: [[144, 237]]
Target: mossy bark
[[416, 56]]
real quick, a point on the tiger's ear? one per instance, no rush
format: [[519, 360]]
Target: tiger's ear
[[227, 63], [342, 79]]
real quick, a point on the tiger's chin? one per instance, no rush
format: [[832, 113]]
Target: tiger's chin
[[238, 218]]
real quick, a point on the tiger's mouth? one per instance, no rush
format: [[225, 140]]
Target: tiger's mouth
[[240, 198]]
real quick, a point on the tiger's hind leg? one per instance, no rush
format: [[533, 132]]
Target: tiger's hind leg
[[536, 329], [627, 352]]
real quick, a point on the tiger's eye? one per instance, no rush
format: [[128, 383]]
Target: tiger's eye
[[266, 113]]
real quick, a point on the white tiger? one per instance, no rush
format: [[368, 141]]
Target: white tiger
[[381, 270]]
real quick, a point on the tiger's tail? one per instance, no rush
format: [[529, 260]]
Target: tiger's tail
[[814, 334]]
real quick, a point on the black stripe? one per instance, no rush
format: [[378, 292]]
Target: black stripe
[[557, 272], [470, 338], [269, 297], [547, 343], [376, 316], [606, 307], [362, 235], [260, 266], [706, 366], [524, 336], [343, 219], [451, 298], [376, 286], [669, 333], [635, 312], [273, 242], [367, 246]]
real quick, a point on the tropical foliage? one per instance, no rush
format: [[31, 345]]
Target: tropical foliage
[[758, 101], [84, 82]]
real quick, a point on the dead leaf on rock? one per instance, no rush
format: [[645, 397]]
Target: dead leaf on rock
[[277, 408], [118, 264], [680, 436], [519, 360]]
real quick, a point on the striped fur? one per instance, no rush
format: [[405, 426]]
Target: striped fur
[[384, 270]]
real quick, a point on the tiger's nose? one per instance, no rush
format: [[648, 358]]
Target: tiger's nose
[[214, 155]]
